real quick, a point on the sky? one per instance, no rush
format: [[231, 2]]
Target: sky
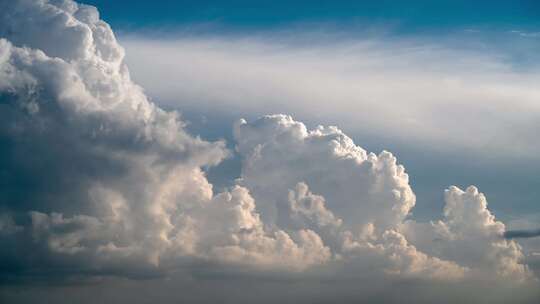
[[408, 16], [298, 151], [449, 39]]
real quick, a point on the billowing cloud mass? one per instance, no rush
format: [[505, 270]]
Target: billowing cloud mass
[[98, 181], [118, 180]]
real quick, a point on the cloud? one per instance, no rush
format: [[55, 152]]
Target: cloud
[[469, 233], [409, 90], [327, 161], [99, 183], [371, 197], [111, 182], [308, 206], [514, 234]]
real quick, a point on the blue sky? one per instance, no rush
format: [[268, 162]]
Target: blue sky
[[406, 16]]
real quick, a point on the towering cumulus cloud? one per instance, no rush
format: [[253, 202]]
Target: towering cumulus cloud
[[109, 181], [96, 180]]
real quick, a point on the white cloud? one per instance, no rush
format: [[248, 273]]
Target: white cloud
[[370, 197], [469, 233], [410, 90], [126, 179], [360, 188], [308, 206]]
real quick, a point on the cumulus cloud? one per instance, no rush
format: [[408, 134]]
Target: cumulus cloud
[[368, 198], [469, 233], [114, 179], [308, 206], [97, 180], [279, 152]]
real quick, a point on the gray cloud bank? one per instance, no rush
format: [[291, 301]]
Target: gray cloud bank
[[99, 187], [513, 234]]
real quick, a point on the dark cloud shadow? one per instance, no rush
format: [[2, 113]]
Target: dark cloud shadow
[[522, 234]]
